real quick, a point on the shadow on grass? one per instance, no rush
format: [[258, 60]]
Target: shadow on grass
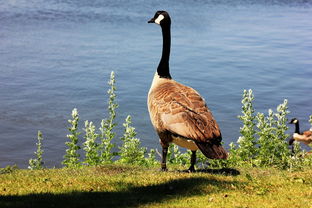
[[132, 197], [222, 171]]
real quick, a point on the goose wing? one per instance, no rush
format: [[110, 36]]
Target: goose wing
[[308, 135], [182, 111]]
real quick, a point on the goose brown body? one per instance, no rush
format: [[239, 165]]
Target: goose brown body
[[305, 137], [179, 110]]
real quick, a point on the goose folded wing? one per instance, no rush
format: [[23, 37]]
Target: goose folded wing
[[185, 113], [308, 134]]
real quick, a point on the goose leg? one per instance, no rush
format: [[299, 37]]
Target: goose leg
[[164, 159], [193, 161]]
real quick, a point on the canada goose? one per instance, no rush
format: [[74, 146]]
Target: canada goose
[[304, 137], [178, 113]]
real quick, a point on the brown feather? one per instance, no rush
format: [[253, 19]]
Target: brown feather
[[307, 133]]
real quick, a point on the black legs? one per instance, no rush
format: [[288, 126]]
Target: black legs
[[164, 159], [193, 161]]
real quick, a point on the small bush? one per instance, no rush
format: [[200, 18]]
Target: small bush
[[131, 151], [272, 145]]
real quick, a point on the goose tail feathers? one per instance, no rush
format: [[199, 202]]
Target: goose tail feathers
[[212, 150]]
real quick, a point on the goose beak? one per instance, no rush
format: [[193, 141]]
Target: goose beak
[[151, 20]]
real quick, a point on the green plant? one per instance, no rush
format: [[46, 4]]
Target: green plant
[[71, 158], [90, 145], [281, 120], [263, 141], [37, 163], [266, 137], [107, 125], [201, 160], [296, 161], [272, 146], [175, 156], [131, 151], [151, 158], [8, 169], [247, 142], [281, 150]]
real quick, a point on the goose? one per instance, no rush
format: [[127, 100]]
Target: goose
[[178, 113], [304, 137]]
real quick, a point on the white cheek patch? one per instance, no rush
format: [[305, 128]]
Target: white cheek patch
[[159, 18]]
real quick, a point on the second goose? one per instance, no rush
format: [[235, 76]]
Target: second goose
[[304, 137]]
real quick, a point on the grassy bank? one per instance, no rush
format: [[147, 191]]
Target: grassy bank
[[126, 186], [86, 182]]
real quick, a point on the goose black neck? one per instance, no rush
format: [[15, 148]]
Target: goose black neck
[[163, 67], [297, 130]]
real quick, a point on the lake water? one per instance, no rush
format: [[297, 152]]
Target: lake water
[[57, 55]]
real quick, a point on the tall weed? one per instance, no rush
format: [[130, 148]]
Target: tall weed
[[37, 163], [72, 157], [247, 142], [90, 146], [107, 125]]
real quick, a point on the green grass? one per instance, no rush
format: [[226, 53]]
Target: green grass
[[126, 186]]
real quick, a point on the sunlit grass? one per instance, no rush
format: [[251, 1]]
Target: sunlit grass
[[127, 186]]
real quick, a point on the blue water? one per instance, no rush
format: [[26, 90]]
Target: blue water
[[57, 55]]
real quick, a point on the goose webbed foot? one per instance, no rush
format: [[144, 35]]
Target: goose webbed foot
[[163, 167], [191, 169]]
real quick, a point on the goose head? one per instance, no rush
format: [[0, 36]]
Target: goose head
[[161, 18], [293, 121]]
